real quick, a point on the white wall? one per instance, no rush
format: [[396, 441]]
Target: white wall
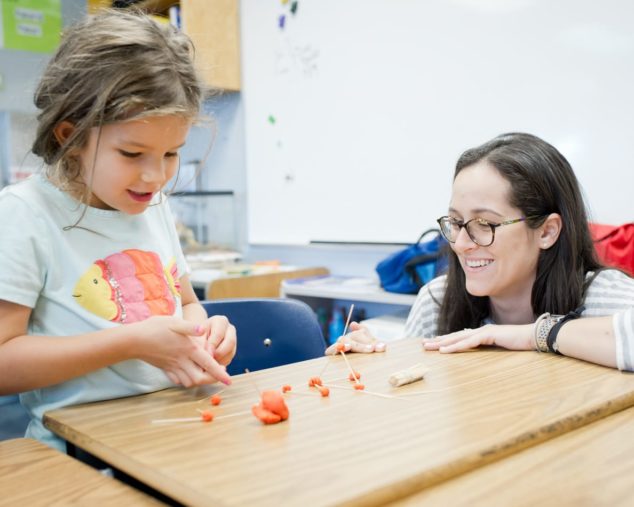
[[374, 100]]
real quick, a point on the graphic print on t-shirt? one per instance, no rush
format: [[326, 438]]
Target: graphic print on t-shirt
[[129, 286]]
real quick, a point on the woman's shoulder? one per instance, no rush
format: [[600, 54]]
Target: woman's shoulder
[[432, 292], [607, 277], [609, 291]]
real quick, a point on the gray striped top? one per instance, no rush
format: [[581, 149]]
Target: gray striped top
[[610, 293]]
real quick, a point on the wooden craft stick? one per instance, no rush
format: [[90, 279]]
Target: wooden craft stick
[[411, 374]]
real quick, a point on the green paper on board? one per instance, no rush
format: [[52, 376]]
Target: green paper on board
[[31, 25]]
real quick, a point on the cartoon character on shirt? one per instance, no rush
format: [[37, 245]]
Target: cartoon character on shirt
[[129, 286]]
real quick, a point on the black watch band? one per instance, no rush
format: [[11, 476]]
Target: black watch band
[[551, 341]]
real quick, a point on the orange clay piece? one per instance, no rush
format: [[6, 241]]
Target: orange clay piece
[[274, 402], [206, 416], [264, 415], [359, 387], [314, 381], [341, 347], [215, 400], [325, 392], [351, 377], [286, 388]]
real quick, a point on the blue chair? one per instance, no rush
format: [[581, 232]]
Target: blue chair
[[13, 418], [271, 332]]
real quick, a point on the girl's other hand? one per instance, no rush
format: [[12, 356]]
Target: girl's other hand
[[221, 340], [178, 347], [358, 340], [519, 337]]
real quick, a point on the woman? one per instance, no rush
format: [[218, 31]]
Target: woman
[[522, 263]]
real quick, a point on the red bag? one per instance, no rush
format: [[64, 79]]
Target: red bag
[[615, 245]]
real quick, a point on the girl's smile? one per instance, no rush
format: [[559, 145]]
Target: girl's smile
[[127, 163]]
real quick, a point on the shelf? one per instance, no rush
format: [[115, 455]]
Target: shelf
[[348, 288], [214, 28]]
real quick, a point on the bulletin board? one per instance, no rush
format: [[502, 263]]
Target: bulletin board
[[357, 110]]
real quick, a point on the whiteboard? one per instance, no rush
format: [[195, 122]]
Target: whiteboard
[[357, 110]]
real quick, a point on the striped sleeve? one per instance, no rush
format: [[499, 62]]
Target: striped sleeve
[[623, 323], [610, 292], [423, 318]]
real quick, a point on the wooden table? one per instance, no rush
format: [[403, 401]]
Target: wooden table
[[592, 465], [33, 474], [350, 448]]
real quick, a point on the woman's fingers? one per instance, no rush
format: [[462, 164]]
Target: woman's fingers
[[332, 349], [447, 340], [513, 337], [358, 340], [367, 348]]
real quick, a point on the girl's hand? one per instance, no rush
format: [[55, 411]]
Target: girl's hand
[[358, 340], [178, 347], [519, 337], [221, 340]]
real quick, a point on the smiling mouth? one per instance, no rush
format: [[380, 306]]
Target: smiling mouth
[[140, 196], [480, 263]]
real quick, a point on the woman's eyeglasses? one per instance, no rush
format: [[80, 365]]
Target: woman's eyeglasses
[[481, 231]]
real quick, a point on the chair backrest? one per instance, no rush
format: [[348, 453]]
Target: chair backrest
[[271, 332]]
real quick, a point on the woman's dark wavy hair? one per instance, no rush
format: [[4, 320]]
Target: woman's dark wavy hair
[[542, 182]]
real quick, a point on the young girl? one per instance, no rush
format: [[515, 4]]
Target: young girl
[[522, 264], [95, 299]]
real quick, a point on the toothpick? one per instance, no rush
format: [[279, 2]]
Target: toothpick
[[255, 386], [356, 380], [176, 420], [341, 351], [345, 329], [213, 394], [232, 415], [313, 394], [363, 391], [323, 370]]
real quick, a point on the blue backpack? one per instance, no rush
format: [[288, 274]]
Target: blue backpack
[[407, 270]]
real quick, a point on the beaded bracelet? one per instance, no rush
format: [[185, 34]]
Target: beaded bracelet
[[540, 338], [543, 327]]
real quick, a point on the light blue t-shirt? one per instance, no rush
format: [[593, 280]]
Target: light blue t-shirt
[[110, 269]]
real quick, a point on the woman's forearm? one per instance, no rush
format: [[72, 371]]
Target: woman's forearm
[[591, 339]]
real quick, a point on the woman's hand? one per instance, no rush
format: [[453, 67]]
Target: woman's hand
[[518, 337], [178, 347], [221, 340], [358, 340]]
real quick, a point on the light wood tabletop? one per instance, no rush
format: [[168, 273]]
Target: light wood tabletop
[[32, 474], [593, 466], [351, 448]]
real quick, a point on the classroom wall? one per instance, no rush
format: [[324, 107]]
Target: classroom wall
[[357, 111], [225, 168], [21, 69]]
